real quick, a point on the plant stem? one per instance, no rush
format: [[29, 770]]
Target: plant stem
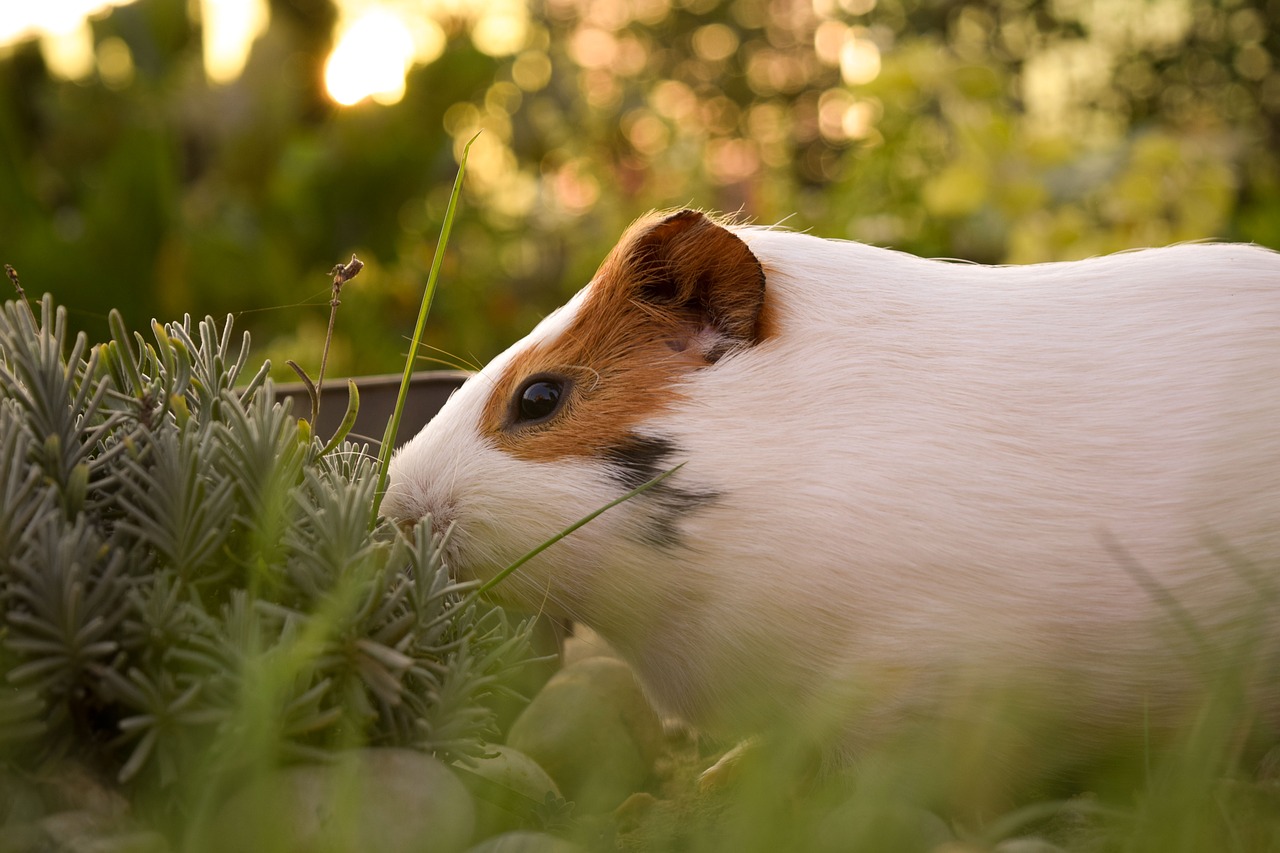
[[22, 294], [342, 273], [582, 522], [393, 428]]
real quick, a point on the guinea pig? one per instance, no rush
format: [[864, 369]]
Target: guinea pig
[[902, 480]]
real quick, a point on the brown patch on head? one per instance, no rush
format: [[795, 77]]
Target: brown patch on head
[[678, 293]]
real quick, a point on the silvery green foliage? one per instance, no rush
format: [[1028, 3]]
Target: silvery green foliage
[[186, 577]]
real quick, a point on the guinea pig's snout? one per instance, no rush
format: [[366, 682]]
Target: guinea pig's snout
[[442, 518], [440, 522], [407, 506]]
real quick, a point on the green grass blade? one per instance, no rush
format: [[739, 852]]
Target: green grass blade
[[582, 522], [393, 428]]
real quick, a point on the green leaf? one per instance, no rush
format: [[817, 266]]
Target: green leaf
[[348, 419]]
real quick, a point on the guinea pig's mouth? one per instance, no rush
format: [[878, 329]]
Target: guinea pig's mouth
[[444, 537], [458, 558], [408, 525], [449, 551]]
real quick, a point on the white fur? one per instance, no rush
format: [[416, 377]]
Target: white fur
[[930, 472]]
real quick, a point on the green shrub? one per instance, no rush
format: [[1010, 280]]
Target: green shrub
[[190, 590]]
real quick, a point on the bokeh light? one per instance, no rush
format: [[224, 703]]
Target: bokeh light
[[228, 29], [69, 53], [115, 63], [372, 54], [501, 27], [24, 19], [859, 57], [62, 28], [379, 42]]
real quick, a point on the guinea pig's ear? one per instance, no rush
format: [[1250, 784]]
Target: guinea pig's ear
[[691, 265]]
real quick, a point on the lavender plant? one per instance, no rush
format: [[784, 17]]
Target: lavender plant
[[188, 578]]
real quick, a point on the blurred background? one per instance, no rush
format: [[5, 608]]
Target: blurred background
[[220, 156]]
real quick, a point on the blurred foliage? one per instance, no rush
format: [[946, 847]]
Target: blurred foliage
[[993, 130]]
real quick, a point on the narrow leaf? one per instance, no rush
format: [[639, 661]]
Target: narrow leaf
[[393, 428], [348, 420]]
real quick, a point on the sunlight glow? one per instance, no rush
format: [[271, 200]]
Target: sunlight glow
[[69, 54], [501, 28], [21, 20], [229, 30], [378, 41], [115, 63], [62, 26], [374, 52], [859, 58]]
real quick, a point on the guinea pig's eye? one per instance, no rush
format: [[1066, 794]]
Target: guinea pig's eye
[[538, 399]]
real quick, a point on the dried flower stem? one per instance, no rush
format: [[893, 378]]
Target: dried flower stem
[[17, 285], [342, 273]]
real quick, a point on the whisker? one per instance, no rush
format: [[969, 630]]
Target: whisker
[[473, 365], [588, 369], [466, 368]]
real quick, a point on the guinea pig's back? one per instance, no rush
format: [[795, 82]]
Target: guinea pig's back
[[1036, 460]]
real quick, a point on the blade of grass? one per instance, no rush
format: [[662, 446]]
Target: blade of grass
[[582, 522], [393, 428]]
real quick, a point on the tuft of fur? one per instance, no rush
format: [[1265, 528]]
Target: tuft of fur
[[924, 481]]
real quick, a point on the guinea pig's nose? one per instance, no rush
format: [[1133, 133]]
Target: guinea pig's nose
[[406, 507], [442, 519]]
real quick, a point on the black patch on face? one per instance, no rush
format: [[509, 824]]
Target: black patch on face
[[637, 461]]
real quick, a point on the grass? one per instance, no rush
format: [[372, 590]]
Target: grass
[[428, 296], [1190, 794]]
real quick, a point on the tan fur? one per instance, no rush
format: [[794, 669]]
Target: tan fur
[[644, 324]]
